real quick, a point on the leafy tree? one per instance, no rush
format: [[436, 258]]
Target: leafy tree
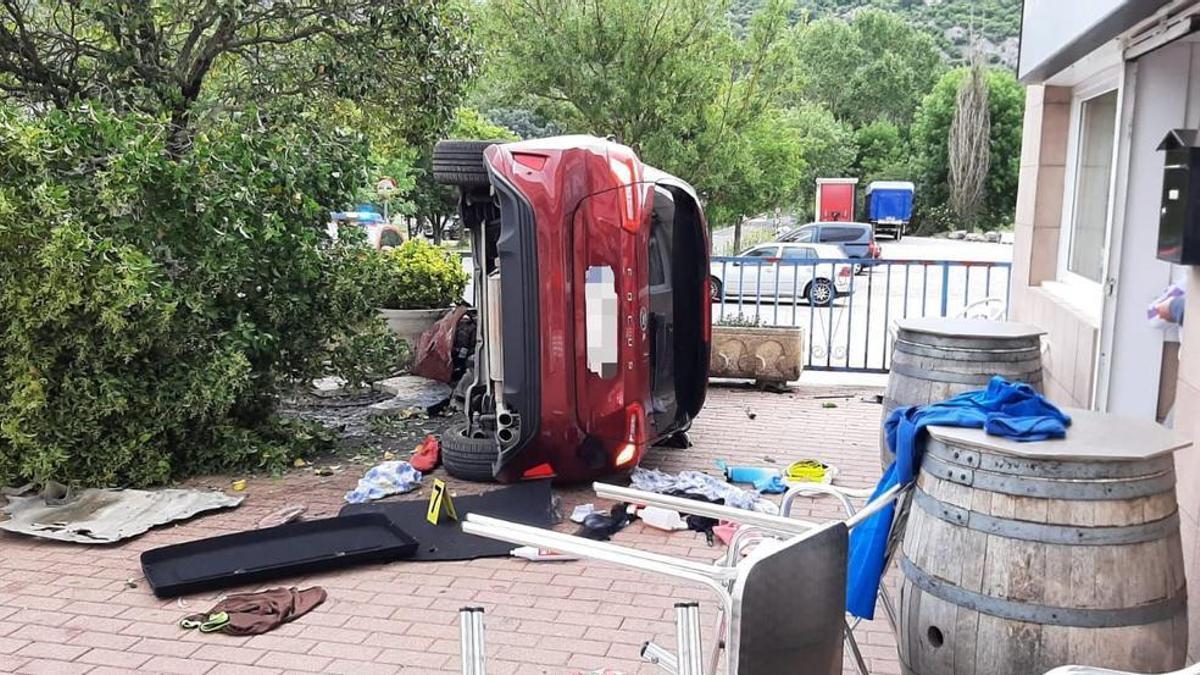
[[435, 204], [875, 66], [179, 57], [669, 79], [152, 307], [882, 152], [930, 137]]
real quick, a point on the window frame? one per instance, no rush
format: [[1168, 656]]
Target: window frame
[[1106, 82]]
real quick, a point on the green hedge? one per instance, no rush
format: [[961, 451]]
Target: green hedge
[[152, 306], [422, 275]]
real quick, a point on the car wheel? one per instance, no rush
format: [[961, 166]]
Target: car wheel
[[469, 458], [461, 163], [820, 293], [899, 234], [716, 290]]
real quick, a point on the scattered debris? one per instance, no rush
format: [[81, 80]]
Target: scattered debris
[[602, 526], [697, 483], [329, 387], [540, 554], [256, 613], [282, 516], [582, 511], [750, 413], [388, 478], [829, 404], [389, 456], [131, 583], [327, 470], [238, 485], [434, 356], [97, 516], [412, 391], [764, 479], [662, 519], [300, 463], [295, 549], [427, 455]]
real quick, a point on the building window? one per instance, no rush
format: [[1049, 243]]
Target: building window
[[1088, 226]]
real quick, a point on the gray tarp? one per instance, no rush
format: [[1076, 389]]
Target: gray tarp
[[106, 516]]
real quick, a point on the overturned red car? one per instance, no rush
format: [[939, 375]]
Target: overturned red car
[[591, 284]]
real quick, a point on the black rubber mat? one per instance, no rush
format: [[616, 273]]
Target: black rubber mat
[[526, 503], [273, 553]]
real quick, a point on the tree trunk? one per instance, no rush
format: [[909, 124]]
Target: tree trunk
[[737, 235]]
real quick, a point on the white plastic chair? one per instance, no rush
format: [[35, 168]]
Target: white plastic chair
[[772, 620]]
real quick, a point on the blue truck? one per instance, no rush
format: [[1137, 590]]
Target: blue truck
[[890, 206]]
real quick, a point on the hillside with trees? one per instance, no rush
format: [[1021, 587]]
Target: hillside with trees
[[752, 100], [996, 23]]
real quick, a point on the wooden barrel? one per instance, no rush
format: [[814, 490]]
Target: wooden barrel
[[1022, 557], [935, 358]]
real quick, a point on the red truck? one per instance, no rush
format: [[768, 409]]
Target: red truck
[[591, 282], [835, 199]]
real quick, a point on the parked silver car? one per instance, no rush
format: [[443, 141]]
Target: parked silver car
[[780, 272]]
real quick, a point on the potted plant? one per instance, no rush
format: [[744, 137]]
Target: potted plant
[[742, 348], [423, 282]]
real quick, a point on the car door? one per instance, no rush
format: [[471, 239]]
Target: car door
[[754, 272], [794, 271]]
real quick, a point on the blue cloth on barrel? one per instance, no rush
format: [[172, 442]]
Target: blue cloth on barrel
[[1008, 409]]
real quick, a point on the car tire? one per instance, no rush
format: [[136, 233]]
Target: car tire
[[469, 458], [820, 293], [461, 163], [899, 234], [716, 290]]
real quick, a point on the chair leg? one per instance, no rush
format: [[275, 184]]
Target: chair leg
[[859, 664], [470, 628], [687, 638], [660, 657]]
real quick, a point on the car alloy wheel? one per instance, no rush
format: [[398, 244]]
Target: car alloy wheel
[[820, 293]]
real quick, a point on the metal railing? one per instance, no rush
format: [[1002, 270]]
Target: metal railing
[[851, 331]]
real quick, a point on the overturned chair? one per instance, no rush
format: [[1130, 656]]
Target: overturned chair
[[781, 607]]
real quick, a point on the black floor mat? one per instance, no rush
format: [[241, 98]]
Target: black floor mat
[[526, 503], [274, 552]]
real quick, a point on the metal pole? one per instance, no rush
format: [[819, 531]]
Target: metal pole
[[471, 644], [687, 638], [945, 286]]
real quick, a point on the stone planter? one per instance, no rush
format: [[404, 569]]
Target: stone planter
[[765, 355], [408, 324]]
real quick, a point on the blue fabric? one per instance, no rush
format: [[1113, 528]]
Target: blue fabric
[[1004, 408], [764, 479]]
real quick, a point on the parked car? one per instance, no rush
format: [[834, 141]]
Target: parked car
[[380, 234], [857, 240], [766, 272], [591, 285]]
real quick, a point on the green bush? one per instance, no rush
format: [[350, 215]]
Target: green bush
[[152, 306], [422, 275]]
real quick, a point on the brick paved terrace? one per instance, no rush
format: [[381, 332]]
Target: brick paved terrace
[[69, 609]]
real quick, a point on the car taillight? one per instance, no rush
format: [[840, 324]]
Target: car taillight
[[635, 427]]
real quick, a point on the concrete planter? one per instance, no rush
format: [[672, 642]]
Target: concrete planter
[[408, 324], [761, 354]]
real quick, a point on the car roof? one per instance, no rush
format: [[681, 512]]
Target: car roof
[[836, 223]]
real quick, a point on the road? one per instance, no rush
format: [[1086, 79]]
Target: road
[[855, 331]]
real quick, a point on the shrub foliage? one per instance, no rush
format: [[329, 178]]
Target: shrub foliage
[[152, 303], [422, 275]]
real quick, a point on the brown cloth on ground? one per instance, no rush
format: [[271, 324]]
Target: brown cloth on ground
[[255, 613]]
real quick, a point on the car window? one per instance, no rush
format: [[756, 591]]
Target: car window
[[837, 234], [804, 235], [798, 252], [764, 252]]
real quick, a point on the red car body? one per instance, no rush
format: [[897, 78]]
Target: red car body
[[603, 309]]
